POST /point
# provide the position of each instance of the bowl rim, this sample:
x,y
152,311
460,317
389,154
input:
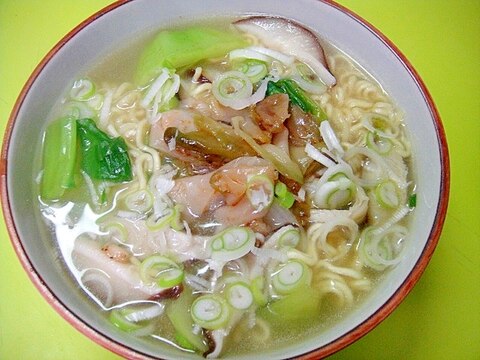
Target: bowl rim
x,y
328,349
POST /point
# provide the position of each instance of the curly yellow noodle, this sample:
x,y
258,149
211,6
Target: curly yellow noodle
x,y
354,96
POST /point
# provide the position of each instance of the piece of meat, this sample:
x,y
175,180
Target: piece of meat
x,y
271,112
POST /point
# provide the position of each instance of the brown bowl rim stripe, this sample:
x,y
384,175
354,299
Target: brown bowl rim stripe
x,y
326,350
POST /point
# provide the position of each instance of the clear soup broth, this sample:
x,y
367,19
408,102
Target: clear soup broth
x,y
227,186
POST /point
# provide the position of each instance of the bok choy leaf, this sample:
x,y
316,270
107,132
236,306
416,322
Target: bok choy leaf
x,y
103,157
176,49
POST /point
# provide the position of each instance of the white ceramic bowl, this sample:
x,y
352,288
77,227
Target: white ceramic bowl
x,y
118,23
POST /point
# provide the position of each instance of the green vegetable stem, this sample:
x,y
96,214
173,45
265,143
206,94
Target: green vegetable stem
x,y
59,153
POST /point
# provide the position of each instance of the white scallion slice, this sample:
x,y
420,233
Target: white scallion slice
x,y
168,217
210,312
308,80
286,236
140,201
254,69
379,144
158,222
290,238
386,194
379,250
232,85
234,89
162,271
116,230
232,243
82,90
248,53
260,192
96,102
378,124
176,222
135,318
155,87
335,194
316,155
277,55
137,314
239,295
330,138
77,110
290,276
258,291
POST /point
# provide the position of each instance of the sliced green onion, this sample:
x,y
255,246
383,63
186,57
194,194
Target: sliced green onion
x,y
286,236
308,80
156,222
274,54
169,217
335,194
96,102
178,312
162,90
248,53
140,201
260,192
135,317
381,250
330,138
254,69
232,243
290,276
239,295
290,237
338,175
379,144
210,312
378,124
115,229
231,87
59,158
162,271
371,251
82,90
78,110
258,291
412,201
175,222
285,198
117,318
386,194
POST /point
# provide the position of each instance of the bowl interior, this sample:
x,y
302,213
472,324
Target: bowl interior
x,y
132,19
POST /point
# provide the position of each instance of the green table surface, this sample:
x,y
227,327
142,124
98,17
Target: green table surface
x,y
440,319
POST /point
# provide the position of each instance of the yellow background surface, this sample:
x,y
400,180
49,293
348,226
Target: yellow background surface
x,y
440,319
